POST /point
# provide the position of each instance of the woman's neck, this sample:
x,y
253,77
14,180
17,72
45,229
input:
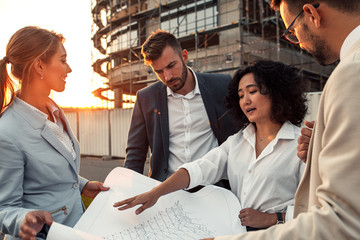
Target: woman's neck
x,y
35,99
265,133
267,130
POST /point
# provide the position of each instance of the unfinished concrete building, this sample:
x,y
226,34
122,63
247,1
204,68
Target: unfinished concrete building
x,y
220,36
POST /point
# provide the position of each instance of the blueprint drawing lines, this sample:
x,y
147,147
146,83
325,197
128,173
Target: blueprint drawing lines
x,y
171,223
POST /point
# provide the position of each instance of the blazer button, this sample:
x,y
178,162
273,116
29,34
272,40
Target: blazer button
x,y
75,186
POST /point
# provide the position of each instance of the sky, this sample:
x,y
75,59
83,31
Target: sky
x,y
72,18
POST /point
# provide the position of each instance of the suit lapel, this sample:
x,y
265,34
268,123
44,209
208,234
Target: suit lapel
x,y
206,94
163,114
38,123
54,141
352,49
72,137
302,192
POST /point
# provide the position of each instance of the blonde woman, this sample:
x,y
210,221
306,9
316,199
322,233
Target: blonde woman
x,y
39,155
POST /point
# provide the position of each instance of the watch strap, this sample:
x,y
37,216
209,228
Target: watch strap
x,y
280,219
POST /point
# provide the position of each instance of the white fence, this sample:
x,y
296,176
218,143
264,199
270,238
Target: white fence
x,y
104,132
101,132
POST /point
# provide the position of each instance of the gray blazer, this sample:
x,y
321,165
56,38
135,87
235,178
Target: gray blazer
x,y
37,172
150,122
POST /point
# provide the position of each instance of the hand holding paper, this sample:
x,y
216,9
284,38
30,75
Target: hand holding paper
x,y
93,188
33,223
180,215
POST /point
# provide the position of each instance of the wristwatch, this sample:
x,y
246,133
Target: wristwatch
x,y
280,219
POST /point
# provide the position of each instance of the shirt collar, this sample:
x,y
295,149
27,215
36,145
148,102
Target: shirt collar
x,y
286,131
192,93
53,108
50,105
32,108
350,40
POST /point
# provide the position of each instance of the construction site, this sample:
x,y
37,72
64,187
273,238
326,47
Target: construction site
x,y
220,36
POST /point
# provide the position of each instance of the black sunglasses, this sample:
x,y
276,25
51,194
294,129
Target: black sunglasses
x,y
290,36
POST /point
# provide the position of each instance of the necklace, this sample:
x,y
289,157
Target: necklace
x,y
269,137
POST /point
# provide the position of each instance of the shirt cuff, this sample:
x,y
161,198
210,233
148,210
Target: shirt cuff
x,y
289,213
195,174
83,182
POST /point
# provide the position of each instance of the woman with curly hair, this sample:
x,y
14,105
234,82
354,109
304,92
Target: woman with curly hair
x,y
260,160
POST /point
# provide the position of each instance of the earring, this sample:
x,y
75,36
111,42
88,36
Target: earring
x,y
41,77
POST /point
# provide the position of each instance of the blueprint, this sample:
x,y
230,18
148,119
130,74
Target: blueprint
x,y
209,212
61,232
171,223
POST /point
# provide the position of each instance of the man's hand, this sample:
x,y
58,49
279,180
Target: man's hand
x,y
33,223
304,139
256,219
92,189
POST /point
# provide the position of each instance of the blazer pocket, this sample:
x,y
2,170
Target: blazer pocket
x,y
62,210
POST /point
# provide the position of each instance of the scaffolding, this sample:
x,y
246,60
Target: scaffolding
x,y
220,36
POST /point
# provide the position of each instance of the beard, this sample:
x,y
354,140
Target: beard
x,y
321,52
182,79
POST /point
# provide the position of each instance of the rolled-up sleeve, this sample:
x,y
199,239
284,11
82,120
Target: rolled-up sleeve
x,y
211,168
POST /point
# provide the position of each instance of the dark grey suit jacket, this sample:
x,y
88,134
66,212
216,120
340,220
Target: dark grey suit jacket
x,y
150,122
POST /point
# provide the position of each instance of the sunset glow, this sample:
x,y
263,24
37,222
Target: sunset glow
x,y
73,20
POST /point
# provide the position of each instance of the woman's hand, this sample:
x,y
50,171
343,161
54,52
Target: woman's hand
x,y
92,189
33,223
256,219
179,180
147,200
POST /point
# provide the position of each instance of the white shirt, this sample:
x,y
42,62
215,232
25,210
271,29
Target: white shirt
x,y
266,183
57,127
350,40
190,133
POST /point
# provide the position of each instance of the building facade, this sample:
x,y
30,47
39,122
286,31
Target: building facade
x,y
220,36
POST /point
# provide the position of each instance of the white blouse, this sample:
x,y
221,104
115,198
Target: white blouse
x,y
266,183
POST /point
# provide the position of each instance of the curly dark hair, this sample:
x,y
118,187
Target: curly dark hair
x,y
283,85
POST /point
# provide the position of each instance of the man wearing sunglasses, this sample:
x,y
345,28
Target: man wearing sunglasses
x,y
327,201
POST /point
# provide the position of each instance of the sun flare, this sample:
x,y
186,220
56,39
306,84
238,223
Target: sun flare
x,y
73,20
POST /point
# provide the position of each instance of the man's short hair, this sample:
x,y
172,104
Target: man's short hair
x,y
156,43
346,6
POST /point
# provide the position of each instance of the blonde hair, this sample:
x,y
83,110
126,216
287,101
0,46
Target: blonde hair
x,y
24,48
